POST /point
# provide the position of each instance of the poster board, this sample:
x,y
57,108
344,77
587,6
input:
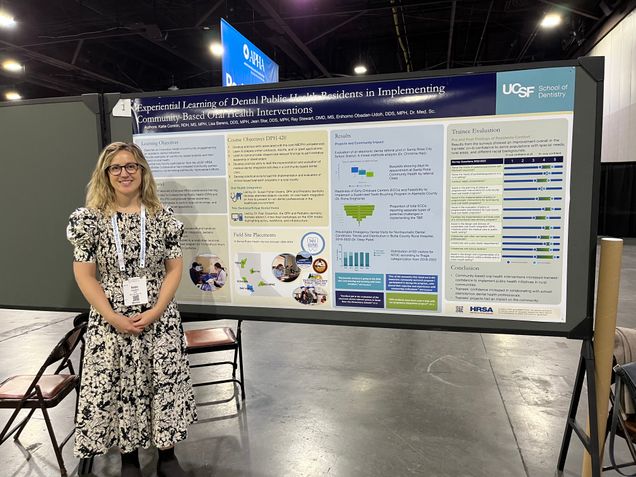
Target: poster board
x,y
457,200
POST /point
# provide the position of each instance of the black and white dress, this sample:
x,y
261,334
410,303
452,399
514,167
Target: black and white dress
x,y
136,391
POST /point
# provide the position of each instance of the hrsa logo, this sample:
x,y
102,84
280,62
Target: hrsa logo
x,y
481,309
516,88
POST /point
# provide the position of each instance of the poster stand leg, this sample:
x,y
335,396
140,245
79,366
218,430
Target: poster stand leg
x,y
591,442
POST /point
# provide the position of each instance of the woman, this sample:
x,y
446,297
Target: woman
x,y
220,275
136,389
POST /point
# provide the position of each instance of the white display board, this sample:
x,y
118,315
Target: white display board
x,y
444,199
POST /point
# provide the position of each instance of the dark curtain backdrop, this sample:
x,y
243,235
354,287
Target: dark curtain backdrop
x,y
617,206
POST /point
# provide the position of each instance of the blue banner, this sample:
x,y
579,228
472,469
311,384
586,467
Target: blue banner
x,y
453,96
243,63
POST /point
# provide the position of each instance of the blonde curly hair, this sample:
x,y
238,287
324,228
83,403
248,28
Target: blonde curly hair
x,y
100,194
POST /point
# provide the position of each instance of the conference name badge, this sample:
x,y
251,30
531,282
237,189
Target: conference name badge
x,y
135,291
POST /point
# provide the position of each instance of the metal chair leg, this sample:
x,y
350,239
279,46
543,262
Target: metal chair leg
x,y
5,434
240,351
56,448
23,424
234,364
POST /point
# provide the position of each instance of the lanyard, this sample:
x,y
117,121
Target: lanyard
x,y
142,241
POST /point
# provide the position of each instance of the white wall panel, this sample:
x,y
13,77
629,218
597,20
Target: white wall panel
x,y
619,110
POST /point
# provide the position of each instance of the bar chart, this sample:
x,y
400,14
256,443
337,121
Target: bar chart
x,y
532,213
357,260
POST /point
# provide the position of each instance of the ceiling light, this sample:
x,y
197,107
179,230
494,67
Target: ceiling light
x,y
12,66
12,96
551,20
360,69
6,20
216,48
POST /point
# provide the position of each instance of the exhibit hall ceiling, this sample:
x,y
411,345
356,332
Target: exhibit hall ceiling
x,y
70,47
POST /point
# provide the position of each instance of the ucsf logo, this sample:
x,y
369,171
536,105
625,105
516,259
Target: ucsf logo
x,y
521,91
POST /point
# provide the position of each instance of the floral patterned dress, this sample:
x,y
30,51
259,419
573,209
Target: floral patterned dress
x,y
136,391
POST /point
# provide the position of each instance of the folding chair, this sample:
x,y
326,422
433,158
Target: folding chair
x,y
208,340
620,424
43,391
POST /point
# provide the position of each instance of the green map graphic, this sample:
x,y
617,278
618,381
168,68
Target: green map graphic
x,y
359,211
251,281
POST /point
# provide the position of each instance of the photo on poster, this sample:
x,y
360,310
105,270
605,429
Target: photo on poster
x,y
207,273
310,295
285,268
304,259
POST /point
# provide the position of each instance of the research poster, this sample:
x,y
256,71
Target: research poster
x,y
444,196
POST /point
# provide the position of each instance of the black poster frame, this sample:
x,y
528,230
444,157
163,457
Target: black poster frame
x,y
583,219
584,208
